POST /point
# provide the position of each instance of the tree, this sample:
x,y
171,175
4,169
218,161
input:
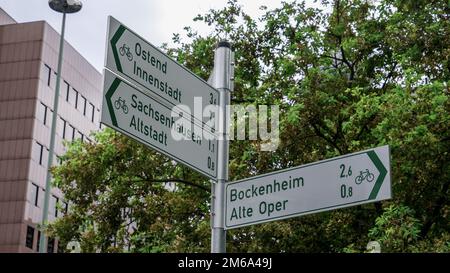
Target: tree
x,y
348,76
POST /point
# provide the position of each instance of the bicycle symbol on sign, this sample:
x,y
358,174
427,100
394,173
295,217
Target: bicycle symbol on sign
x,y
366,175
120,104
125,50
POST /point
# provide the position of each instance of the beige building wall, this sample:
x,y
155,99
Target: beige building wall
x,y
28,63
5,18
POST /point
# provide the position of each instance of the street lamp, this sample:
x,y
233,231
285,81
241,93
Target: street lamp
x,y
63,6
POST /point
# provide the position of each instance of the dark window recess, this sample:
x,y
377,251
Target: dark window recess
x,y
41,153
63,124
71,133
38,241
93,112
45,115
56,200
67,87
84,102
51,245
30,237
48,74
60,248
44,109
36,194
64,129
76,98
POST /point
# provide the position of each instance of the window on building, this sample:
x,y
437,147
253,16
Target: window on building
x,y
38,240
60,248
34,194
80,135
71,133
62,127
47,74
67,90
54,205
76,98
41,154
73,94
88,110
38,153
63,208
41,112
80,103
45,153
45,114
41,197
51,245
30,237
92,112
83,105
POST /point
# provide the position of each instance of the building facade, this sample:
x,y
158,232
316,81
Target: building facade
x,y
28,63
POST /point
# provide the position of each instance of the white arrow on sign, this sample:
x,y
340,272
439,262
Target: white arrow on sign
x,y
344,181
137,60
139,116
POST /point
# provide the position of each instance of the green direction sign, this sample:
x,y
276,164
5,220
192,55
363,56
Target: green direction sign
x,y
344,181
138,61
138,115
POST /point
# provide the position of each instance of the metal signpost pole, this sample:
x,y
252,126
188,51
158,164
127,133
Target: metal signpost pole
x,y
64,7
222,81
52,139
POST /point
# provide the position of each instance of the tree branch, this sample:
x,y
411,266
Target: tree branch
x,y
351,66
365,126
340,134
327,139
389,75
331,57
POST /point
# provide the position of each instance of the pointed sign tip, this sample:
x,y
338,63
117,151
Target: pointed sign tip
x,y
381,169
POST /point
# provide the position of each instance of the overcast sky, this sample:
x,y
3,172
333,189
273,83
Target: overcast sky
x,y
155,20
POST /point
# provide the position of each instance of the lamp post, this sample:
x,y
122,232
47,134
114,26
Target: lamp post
x,y
64,7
